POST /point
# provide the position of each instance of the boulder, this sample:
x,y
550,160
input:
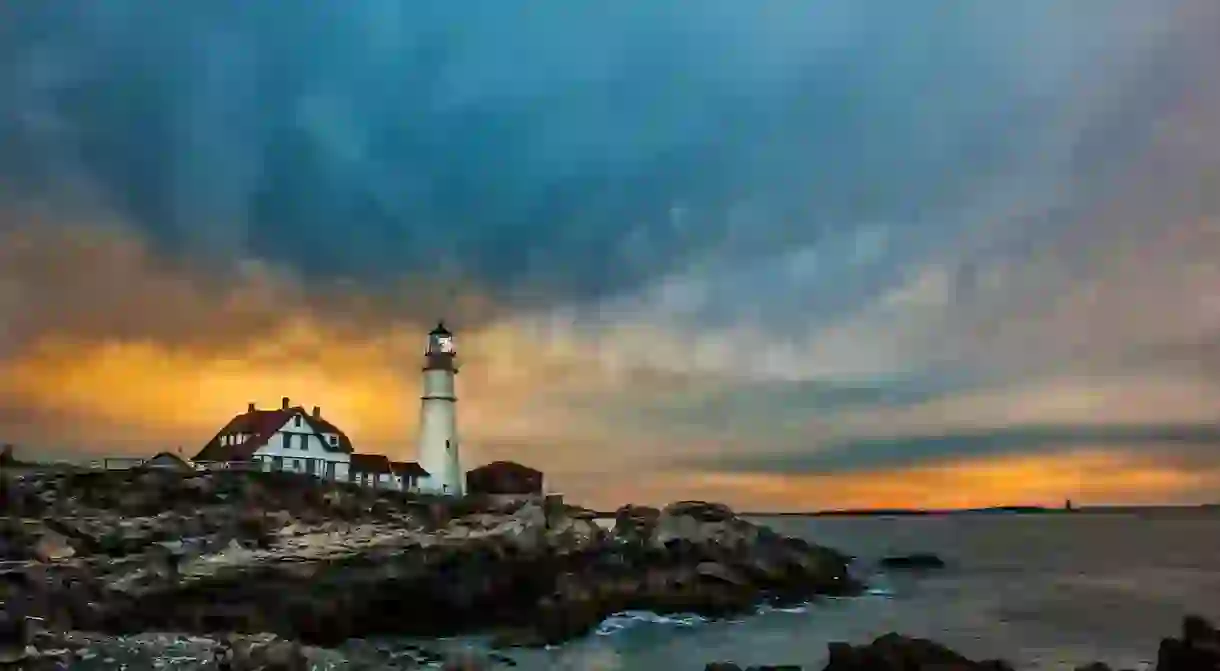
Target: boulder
x,y
1198,648
894,652
274,655
635,524
52,547
15,637
916,561
700,510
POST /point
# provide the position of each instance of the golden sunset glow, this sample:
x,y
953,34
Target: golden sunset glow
x,y
1012,480
530,389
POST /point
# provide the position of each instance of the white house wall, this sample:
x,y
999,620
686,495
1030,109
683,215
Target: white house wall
x,y
304,445
377,480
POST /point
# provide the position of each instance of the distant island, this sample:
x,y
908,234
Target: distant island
x,y
895,512
1014,510
902,512
994,510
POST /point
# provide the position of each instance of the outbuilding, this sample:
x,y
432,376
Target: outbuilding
x,y
167,461
501,478
372,470
407,475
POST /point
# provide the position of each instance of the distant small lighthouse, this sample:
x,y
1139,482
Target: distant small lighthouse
x,y
438,439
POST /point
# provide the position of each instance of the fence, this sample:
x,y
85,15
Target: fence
x,y
116,463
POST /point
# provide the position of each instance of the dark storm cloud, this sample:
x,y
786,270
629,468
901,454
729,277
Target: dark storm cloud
x,y
768,406
1186,442
571,153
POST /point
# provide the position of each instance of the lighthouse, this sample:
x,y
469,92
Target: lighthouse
x,y
438,439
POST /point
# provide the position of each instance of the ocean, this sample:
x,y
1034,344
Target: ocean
x,y
1049,591
1042,591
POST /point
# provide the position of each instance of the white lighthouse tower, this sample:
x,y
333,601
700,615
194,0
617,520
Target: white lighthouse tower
x,y
438,439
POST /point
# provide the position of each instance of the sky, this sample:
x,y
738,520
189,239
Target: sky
x,y
787,255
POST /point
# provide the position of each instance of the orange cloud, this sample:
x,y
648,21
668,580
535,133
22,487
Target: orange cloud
x,y
126,351
110,348
160,392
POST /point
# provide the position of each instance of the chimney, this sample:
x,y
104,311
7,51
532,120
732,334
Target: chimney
x,y
250,407
285,403
317,412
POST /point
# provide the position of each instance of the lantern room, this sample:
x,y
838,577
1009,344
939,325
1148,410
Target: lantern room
x,y
440,350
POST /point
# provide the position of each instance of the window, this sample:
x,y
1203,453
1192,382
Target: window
x,y
296,464
296,421
334,440
277,463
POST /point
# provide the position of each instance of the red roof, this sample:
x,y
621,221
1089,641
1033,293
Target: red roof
x,y
369,463
504,477
260,426
506,467
409,469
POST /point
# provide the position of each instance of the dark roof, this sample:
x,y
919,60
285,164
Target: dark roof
x,y
440,330
370,463
506,467
261,425
164,459
408,469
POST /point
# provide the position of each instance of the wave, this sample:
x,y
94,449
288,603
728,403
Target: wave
x,y
632,618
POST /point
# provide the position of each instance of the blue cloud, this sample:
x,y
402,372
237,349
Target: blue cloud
x,y
543,154
865,454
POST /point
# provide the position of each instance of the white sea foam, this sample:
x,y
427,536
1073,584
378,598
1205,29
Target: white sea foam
x,y
628,619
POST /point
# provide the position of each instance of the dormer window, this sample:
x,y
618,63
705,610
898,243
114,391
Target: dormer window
x,y
334,441
296,421
224,440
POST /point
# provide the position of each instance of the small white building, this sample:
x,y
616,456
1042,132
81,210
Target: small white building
x,y
372,470
376,470
288,439
408,475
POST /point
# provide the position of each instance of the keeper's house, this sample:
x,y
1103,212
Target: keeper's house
x,y
286,439
291,440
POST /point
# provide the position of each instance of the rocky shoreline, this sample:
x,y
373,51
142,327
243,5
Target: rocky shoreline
x,y
274,571
127,552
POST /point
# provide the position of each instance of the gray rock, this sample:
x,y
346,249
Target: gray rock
x,y
52,546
